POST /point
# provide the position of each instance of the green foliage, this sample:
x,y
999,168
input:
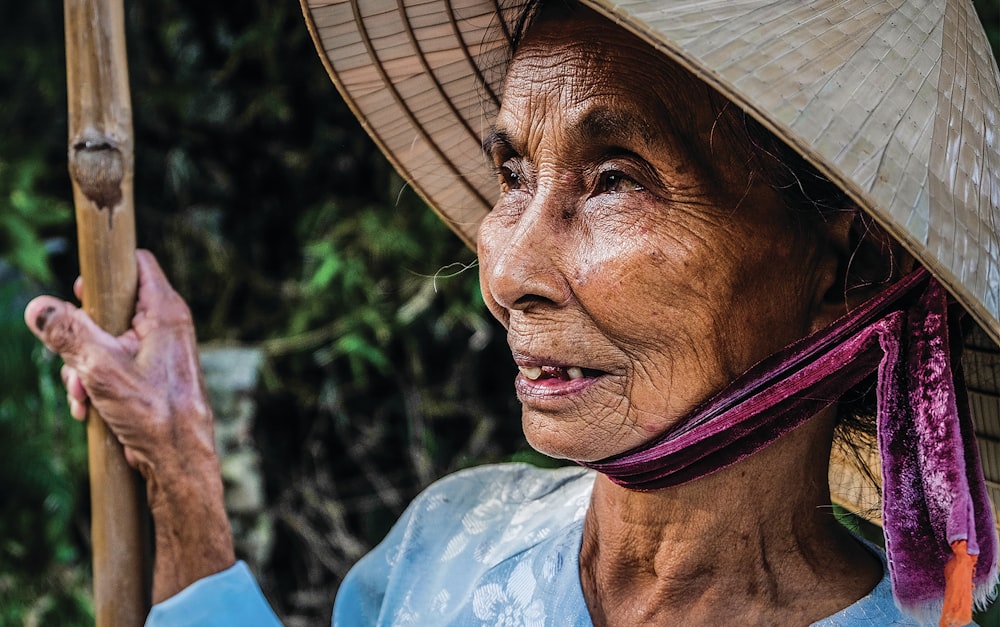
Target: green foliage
x,y
283,227
34,187
25,214
42,573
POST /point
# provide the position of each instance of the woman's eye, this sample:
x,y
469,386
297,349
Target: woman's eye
x,y
614,182
509,179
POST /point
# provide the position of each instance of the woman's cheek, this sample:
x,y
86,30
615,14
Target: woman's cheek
x,y
662,389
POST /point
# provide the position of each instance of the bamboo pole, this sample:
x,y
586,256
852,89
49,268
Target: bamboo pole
x,y
101,168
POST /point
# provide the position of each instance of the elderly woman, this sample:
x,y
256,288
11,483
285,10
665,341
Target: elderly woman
x,y
683,254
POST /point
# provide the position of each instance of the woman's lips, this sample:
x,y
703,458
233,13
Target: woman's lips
x,y
549,381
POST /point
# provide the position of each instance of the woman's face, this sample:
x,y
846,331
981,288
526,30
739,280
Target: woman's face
x,y
630,290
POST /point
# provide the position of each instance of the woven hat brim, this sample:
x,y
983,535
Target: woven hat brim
x,y
423,78
896,102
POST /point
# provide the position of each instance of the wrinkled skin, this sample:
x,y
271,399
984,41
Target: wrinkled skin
x,y
609,255
607,252
147,385
631,289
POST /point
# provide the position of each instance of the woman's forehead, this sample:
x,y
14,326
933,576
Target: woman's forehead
x,y
597,82
600,79
588,53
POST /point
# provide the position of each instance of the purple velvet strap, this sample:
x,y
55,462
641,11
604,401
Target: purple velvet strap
x,y
934,492
768,400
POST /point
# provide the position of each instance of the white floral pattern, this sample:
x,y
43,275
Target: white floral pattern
x,y
485,547
498,546
512,537
513,606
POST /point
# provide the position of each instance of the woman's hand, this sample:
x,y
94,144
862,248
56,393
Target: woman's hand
x,y
146,383
148,387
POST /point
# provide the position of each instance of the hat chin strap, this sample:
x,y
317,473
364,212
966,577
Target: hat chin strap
x,y
936,512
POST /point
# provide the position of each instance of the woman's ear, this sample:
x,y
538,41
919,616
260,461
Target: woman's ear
x,y
835,251
861,259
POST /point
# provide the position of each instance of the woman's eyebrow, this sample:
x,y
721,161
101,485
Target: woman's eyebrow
x,y
496,140
598,126
613,126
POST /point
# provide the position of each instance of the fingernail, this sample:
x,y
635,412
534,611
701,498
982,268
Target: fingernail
x,y
44,317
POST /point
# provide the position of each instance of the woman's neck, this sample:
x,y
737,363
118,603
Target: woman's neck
x,y
755,543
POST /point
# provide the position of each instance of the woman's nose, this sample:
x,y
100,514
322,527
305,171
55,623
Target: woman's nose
x,y
526,262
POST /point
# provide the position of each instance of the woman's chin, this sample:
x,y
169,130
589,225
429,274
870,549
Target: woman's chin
x,y
569,441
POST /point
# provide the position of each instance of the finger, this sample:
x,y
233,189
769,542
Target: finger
x,y
78,288
129,342
158,302
67,330
77,408
76,396
153,283
74,386
71,381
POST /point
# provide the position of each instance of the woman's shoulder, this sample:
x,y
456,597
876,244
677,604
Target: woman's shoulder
x,y
479,542
512,504
509,485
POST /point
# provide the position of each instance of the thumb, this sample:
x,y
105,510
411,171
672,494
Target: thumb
x,y
67,330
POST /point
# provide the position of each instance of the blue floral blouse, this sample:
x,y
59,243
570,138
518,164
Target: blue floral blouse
x,y
489,546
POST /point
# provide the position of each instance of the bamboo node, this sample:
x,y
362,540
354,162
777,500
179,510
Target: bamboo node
x,y
97,166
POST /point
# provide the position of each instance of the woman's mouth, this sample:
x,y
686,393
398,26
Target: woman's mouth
x,y
535,384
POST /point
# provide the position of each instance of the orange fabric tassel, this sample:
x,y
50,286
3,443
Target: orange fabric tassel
x,y
957,609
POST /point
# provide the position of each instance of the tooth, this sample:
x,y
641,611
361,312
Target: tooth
x,y
575,372
532,372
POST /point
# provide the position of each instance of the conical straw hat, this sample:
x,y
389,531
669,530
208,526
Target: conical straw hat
x,y
898,102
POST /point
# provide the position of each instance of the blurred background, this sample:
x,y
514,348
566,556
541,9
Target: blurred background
x,y
350,358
